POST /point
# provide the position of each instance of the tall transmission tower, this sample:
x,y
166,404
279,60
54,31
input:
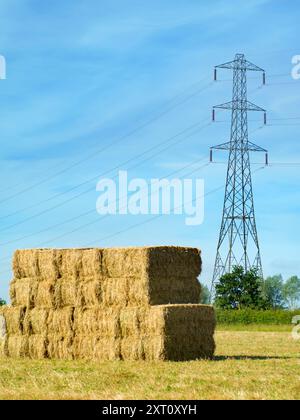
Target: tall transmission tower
x,y
238,241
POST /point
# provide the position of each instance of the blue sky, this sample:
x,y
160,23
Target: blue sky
x,y
81,76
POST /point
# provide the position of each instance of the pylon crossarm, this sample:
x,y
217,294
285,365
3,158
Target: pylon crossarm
x,y
254,148
249,146
240,64
223,146
252,67
241,105
253,107
229,65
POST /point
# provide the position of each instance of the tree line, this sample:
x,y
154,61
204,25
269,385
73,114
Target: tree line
x,y
245,289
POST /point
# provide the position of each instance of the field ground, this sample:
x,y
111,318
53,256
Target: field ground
x,y
248,365
255,327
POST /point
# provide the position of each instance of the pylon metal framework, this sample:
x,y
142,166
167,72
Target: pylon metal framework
x,y
238,241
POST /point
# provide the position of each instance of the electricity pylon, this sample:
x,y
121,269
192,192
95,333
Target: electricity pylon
x,y
238,241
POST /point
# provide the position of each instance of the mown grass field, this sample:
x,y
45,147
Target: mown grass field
x,y
249,364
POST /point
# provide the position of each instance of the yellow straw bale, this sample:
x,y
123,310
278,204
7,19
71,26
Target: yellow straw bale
x,y
60,346
128,262
14,318
25,264
44,297
105,322
22,292
91,263
60,321
49,263
154,348
89,292
115,291
93,347
71,263
17,346
35,321
66,292
37,346
133,348
133,321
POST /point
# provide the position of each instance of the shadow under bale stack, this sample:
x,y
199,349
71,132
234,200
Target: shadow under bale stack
x,y
107,304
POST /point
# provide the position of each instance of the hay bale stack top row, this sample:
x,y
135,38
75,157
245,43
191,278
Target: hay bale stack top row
x,y
107,304
123,276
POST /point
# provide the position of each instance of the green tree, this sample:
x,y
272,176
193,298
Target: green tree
x,y
273,292
205,295
239,290
291,292
2,302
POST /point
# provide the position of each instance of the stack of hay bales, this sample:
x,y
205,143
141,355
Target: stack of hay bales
x,y
107,304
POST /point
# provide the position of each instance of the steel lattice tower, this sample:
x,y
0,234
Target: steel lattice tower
x,y
238,241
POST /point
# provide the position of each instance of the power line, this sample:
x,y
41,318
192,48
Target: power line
x,y
105,173
101,174
113,143
144,222
158,216
93,211
105,216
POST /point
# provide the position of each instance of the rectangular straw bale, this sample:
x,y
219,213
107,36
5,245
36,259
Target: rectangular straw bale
x,y
187,330
45,294
25,263
37,346
150,348
60,321
133,321
89,292
14,318
91,263
49,264
66,292
60,346
192,348
139,291
124,262
114,291
71,266
154,347
107,349
111,291
93,347
17,346
174,290
171,261
171,319
22,292
105,322
35,321
133,348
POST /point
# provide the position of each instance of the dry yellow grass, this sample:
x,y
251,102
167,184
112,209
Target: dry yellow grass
x,y
248,365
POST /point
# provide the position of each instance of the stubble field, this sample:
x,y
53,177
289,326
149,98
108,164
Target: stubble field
x,y
249,364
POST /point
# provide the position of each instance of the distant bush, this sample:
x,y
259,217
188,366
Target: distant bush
x,y
252,316
2,302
